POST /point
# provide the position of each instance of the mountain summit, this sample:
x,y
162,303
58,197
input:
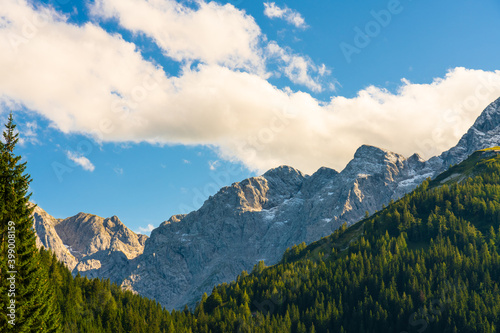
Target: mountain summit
x,y
484,133
258,218
89,244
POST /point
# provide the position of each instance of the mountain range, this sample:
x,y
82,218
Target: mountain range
x,y
252,220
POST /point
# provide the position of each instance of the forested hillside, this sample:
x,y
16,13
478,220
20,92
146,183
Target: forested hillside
x,y
427,263
93,305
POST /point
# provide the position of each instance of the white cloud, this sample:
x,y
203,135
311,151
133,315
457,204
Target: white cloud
x,y
87,81
186,161
80,160
212,33
146,230
322,70
28,133
298,69
293,17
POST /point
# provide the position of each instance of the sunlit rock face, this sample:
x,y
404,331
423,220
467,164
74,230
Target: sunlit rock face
x,y
255,219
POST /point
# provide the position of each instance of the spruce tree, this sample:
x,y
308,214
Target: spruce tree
x,y
35,305
3,250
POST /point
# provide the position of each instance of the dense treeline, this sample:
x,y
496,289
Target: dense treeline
x,y
94,305
27,301
429,262
39,294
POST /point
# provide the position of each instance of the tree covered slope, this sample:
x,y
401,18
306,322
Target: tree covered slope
x,y
427,263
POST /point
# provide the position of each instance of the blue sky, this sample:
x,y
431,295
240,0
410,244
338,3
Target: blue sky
x,y
142,109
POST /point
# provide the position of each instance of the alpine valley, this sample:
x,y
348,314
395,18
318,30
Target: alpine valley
x,y
254,220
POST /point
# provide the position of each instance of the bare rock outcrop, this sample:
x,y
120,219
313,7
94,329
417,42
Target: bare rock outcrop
x,y
255,219
89,244
258,218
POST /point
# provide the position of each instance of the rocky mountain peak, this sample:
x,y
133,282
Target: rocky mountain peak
x,y
284,173
89,244
415,158
44,226
256,193
370,160
325,172
376,155
483,134
258,218
318,180
489,118
87,234
174,219
369,152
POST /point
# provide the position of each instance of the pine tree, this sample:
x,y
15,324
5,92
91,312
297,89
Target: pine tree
x,y
35,307
3,251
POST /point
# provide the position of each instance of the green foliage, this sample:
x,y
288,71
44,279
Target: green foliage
x,y
428,262
35,308
93,305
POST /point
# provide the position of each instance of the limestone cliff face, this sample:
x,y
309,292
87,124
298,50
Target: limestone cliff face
x,y
258,218
89,244
44,226
255,219
484,133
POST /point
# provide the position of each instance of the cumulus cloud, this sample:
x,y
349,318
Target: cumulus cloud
x,y
86,80
298,69
212,33
291,16
146,230
80,160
